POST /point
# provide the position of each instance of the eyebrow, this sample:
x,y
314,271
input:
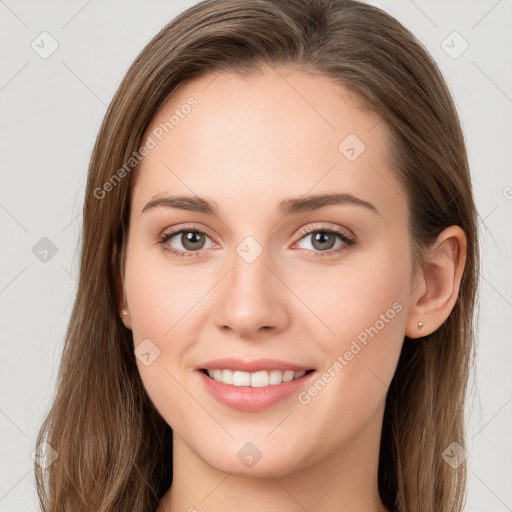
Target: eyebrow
x,y
289,206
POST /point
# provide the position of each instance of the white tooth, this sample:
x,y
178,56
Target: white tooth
x,y
241,379
288,376
227,376
276,377
259,379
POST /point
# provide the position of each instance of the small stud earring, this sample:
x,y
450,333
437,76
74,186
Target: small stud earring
x,y
124,312
420,325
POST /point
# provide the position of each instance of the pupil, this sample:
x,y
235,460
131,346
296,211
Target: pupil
x,y
191,238
321,238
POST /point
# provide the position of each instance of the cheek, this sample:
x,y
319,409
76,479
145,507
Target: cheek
x,y
164,300
363,303
365,307
168,303
162,296
356,294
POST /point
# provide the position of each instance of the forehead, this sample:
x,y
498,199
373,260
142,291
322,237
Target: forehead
x,y
248,142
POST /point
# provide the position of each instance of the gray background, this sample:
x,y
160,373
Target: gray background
x,y
51,109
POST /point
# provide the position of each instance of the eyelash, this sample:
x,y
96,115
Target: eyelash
x,y
316,254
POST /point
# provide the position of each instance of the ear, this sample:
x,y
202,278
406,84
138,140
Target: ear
x,y
437,287
124,311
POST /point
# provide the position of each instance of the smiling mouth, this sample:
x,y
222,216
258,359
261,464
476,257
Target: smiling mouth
x,y
258,379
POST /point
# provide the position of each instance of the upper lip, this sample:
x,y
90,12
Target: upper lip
x,y
256,365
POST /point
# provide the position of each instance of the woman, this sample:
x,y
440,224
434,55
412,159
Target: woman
x,y
278,274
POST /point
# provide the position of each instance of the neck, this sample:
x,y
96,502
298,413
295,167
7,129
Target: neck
x,y
345,479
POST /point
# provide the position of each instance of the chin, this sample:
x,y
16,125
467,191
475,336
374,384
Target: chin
x,y
254,460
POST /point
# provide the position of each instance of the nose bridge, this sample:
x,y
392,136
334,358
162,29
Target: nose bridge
x,y
252,296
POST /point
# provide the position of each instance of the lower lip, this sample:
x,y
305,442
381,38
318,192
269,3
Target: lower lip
x,y
247,398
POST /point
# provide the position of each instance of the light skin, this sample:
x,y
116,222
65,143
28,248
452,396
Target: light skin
x,y
249,144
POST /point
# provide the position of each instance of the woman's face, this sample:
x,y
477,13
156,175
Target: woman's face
x,y
268,276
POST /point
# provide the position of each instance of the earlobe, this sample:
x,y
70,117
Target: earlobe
x,y
125,317
438,289
120,291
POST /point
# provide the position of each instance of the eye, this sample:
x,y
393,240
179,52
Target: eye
x,y
323,240
188,240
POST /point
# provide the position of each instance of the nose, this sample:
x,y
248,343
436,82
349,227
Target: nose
x,y
252,299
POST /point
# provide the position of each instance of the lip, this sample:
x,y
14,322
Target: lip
x,y
247,398
233,363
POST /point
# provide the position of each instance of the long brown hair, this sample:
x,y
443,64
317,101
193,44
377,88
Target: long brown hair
x,y
114,449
